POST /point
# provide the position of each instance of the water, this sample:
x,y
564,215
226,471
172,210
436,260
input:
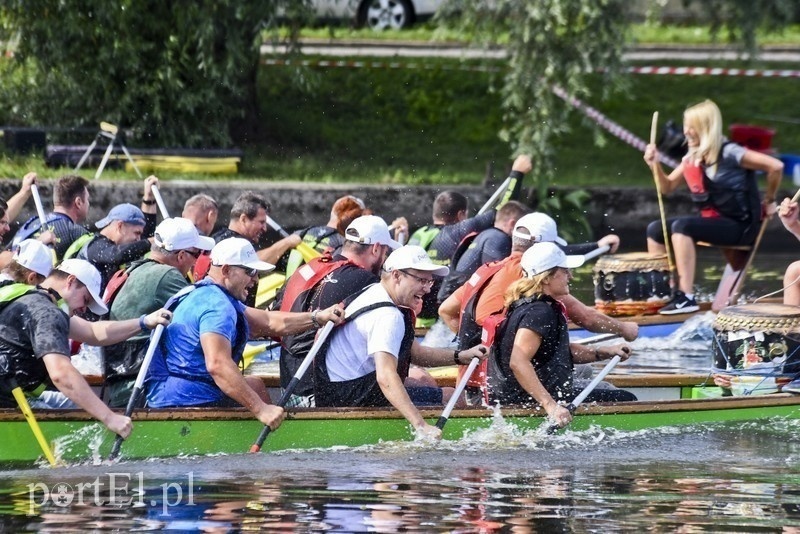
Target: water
x,y
731,477
740,478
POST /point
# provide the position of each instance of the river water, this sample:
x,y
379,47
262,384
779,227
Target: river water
x,y
728,477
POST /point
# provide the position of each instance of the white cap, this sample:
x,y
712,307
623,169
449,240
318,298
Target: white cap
x,y
537,227
34,255
370,230
544,256
89,276
413,257
178,233
238,251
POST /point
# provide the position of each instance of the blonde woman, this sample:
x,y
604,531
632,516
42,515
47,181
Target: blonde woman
x,y
534,359
724,190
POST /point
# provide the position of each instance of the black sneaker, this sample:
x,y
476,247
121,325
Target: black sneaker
x,y
680,303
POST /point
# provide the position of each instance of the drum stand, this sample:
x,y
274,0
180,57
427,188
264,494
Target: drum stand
x,y
107,132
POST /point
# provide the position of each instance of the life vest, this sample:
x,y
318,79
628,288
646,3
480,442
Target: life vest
x,y
425,236
456,279
78,247
33,226
197,371
319,243
736,198
33,387
118,280
364,390
495,327
298,293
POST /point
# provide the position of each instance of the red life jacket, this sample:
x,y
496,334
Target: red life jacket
x,y
469,333
695,177
306,278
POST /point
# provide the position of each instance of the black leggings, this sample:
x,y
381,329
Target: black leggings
x,y
719,231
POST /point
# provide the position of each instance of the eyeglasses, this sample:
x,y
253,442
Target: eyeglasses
x,y
193,253
249,271
426,282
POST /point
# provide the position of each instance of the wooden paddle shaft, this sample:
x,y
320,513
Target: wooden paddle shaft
x,y
160,201
654,168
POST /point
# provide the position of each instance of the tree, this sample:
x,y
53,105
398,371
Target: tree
x,y
176,73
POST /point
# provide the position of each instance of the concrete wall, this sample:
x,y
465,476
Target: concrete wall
x,y
624,211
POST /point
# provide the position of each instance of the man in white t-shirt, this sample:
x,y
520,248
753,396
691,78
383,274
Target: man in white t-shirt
x,y
368,357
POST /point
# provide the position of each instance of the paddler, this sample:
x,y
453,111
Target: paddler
x,y
723,187
35,331
365,362
197,361
534,359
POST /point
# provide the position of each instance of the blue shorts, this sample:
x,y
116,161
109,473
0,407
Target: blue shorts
x,y
425,396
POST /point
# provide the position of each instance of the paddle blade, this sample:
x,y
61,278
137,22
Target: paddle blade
x,y
307,252
25,408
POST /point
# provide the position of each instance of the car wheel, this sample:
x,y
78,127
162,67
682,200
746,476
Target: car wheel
x,y
386,14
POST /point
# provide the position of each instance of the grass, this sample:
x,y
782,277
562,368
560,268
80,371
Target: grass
x,y
438,124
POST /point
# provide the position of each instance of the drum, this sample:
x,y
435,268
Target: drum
x,y
758,338
636,283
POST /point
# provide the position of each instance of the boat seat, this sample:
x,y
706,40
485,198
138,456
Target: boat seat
x,y
744,248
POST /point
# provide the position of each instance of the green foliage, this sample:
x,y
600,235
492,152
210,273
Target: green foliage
x,y
567,208
411,125
176,73
550,43
741,20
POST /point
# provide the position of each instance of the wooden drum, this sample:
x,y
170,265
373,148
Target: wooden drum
x,y
758,336
635,283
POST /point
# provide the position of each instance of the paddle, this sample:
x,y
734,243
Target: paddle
x,y
37,200
739,283
654,169
287,393
457,393
594,339
25,408
572,406
596,252
160,201
304,249
492,199
138,386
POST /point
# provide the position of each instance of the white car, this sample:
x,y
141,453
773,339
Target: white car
x,y
377,14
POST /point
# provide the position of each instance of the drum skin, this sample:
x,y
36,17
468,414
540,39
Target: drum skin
x,y
755,337
635,283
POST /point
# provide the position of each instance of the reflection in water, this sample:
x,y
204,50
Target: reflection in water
x,y
739,477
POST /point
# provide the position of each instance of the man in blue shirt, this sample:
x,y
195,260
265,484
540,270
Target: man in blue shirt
x,y
197,362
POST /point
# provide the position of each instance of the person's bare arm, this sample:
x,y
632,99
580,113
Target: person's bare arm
x,y
395,392
450,312
437,357
71,383
265,323
17,202
274,252
594,321
221,367
667,182
102,333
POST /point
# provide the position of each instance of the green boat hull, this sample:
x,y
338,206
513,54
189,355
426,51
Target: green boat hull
x,y
77,438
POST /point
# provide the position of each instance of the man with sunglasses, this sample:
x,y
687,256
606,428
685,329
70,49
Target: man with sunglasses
x,y
326,281
197,361
146,285
368,358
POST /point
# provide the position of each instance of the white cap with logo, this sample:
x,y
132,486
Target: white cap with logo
x,y
89,276
34,255
238,251
538,227
178,233
413,257
542,257
370,230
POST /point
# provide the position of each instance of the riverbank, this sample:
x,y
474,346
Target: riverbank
x,y
625,211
